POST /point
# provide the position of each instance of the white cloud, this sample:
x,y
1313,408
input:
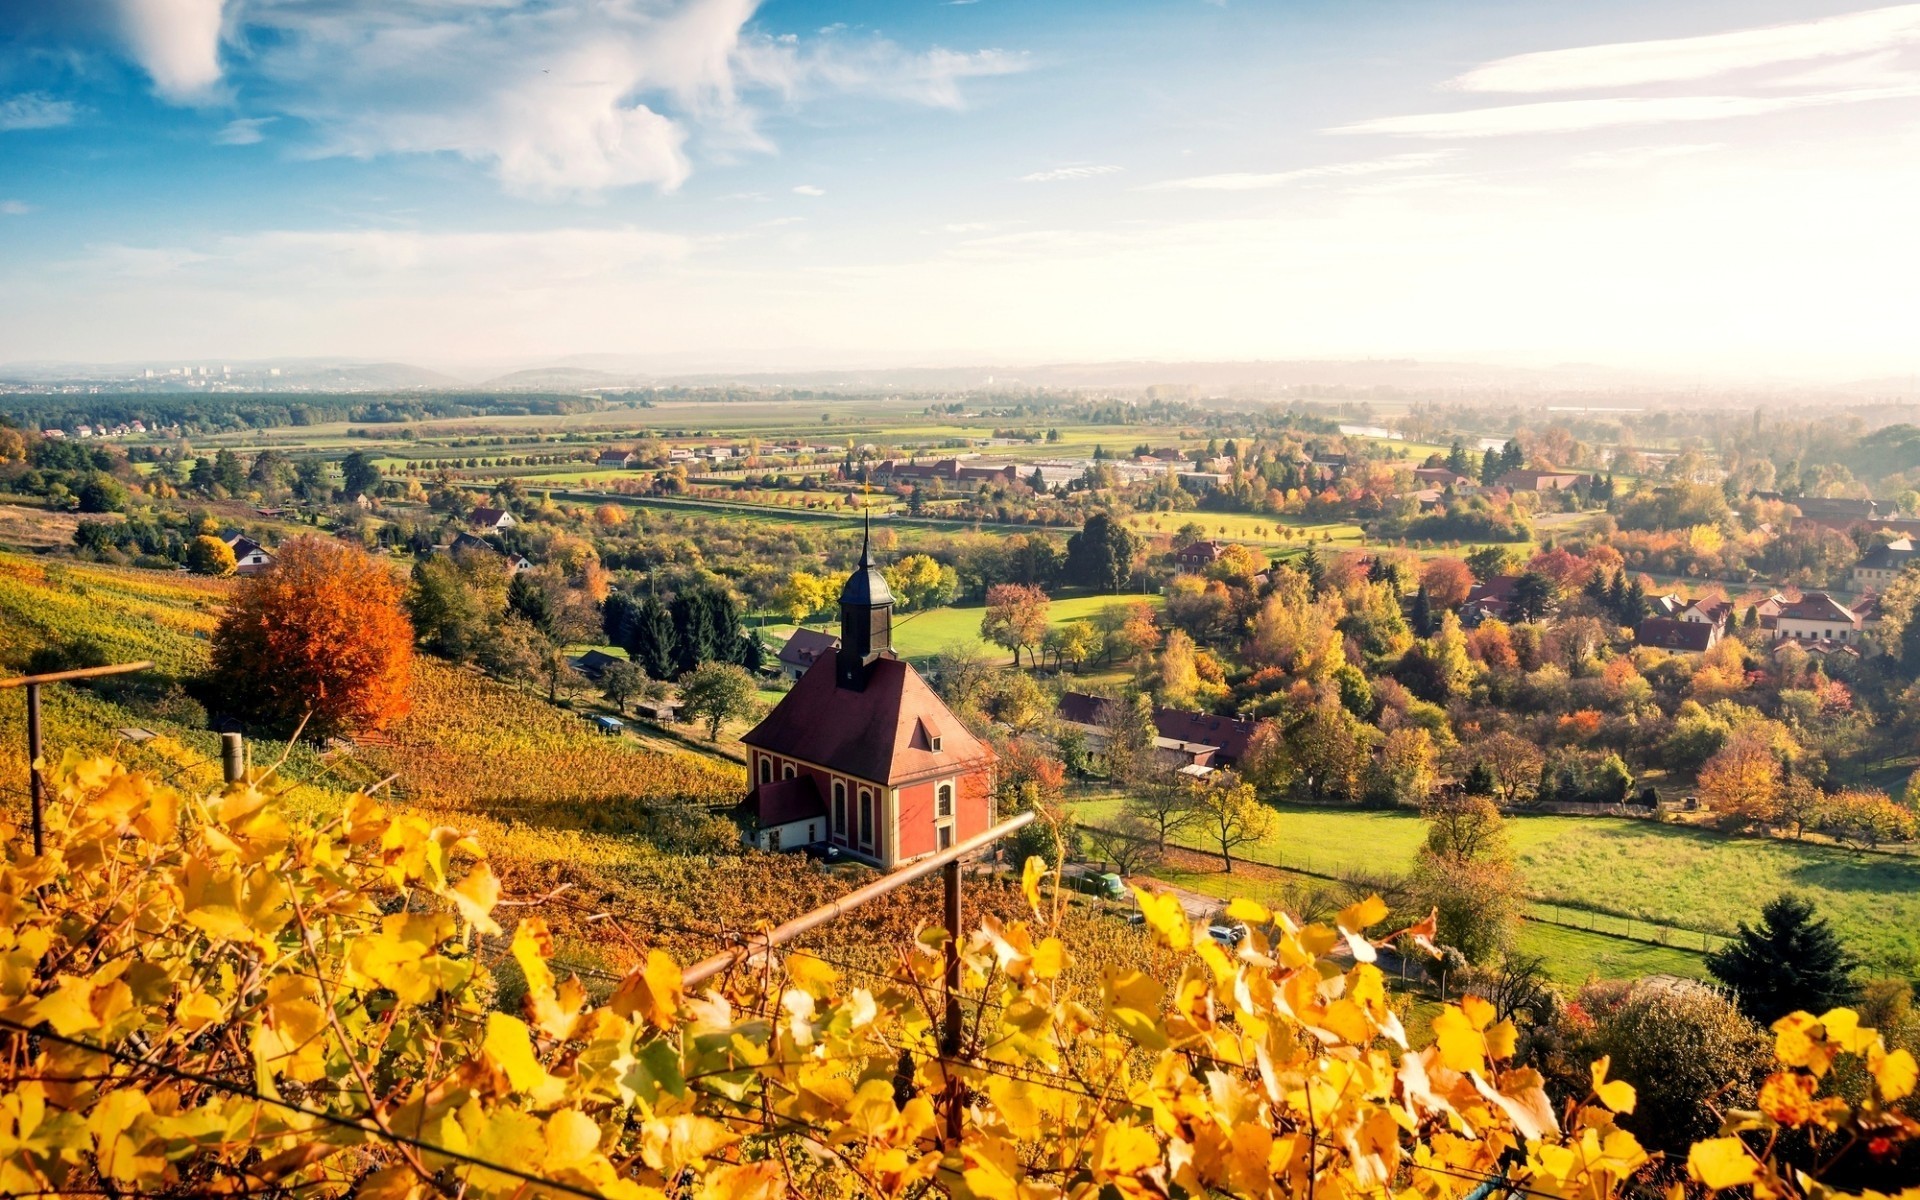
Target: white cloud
x,y
807,189
177,42
36,110
570,97
1626,64
1245,181
1572,116
244,131
14,208
1083,171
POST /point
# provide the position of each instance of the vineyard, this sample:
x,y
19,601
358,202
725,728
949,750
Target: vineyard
x,y
207,995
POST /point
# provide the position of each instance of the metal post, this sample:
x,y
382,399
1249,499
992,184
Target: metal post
x,y
950,1032
233,757
36,782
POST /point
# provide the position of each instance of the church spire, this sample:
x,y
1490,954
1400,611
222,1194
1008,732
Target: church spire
x,y
866,616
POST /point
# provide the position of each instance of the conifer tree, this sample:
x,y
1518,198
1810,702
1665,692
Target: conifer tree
x,y
1791,961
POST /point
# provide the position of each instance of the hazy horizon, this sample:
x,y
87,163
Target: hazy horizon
x,y
1702,190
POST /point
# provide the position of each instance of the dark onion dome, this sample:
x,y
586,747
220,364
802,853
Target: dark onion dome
x,y
866,587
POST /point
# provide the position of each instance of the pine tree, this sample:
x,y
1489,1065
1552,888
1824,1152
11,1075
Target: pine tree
x,y
655,645
1489,467
1310,566
1458,461
1480,780
1422,616
1790,962
1512,458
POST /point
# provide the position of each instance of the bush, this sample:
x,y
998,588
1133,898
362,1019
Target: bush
x,y
1687,1050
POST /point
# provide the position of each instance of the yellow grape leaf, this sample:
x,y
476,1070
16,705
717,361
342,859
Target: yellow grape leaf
x,y
475,897
1478,1011
1166,918
1896,1073
1122,1150
509,1044
653,990
1722,1163
1617,1094
1355,918
1461,1046
1030,877
69,1009
743,1181
1501,1040
572,1137
1133,1001
811,974
532,947
670,1145
198,1010
1250,912
1049,958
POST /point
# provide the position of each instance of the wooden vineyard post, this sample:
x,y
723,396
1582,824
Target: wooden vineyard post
x,y
36,776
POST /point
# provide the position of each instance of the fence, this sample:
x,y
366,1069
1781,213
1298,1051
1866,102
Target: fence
x,y
1548,910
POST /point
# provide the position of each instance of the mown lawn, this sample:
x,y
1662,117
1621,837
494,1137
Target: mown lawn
x,y
1662,875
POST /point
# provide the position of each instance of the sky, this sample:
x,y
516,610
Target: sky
x,y
1721,187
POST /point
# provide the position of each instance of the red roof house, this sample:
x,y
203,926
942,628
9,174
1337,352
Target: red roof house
x,y
899,776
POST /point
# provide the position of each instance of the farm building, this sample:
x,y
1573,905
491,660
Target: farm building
x,y
862,754
803,648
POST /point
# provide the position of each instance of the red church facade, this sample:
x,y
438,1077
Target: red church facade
x,y
862,755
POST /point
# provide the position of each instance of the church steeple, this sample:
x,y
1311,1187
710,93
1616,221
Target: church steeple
x,y
866,618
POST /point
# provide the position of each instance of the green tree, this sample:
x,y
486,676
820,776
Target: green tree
x,y
1101,555
716,693
448,617
359,472
1790,961
621,682
102,493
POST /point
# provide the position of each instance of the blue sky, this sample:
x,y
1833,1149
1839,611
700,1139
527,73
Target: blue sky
x,y
1722,188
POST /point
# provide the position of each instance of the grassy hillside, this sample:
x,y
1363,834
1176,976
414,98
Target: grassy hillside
x,y
1655,874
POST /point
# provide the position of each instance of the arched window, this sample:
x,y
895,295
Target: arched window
x,y
839,829
766,769
943,800
866,818
786,771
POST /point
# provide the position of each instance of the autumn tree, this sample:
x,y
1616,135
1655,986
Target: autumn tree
x,y
1513,761
1230,815
920,581
1175,677
1331,747
322,637
1016,617
208,555
1743,782
1127,729
1447,580
1465,873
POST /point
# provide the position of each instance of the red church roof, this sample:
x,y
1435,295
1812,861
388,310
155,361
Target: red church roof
x,y
882,733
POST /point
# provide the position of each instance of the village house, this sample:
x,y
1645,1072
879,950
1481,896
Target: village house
x,y
803,648
249,556
1678,634
495,520
1879,566
1819,619
593,664
1490,598
614,459
1440,477
1198,556
1194,743
862,755
466,543
1542,481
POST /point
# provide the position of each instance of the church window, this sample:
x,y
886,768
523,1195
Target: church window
x,y
866,818
766,769
840,810
943,800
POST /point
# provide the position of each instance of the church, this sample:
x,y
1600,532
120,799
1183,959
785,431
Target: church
x,y
862,755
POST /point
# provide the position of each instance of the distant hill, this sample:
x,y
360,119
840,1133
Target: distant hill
x,y
559,379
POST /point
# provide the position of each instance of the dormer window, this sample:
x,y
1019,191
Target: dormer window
x,y
933,742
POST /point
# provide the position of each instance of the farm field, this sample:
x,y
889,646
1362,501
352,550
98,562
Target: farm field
x,y
1251,528
1662,875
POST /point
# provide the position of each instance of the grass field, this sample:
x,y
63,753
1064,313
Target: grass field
x,y
1251,528
923,634
1656,875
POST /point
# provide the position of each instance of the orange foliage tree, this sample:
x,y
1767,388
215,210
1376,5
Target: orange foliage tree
x,y
322,637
